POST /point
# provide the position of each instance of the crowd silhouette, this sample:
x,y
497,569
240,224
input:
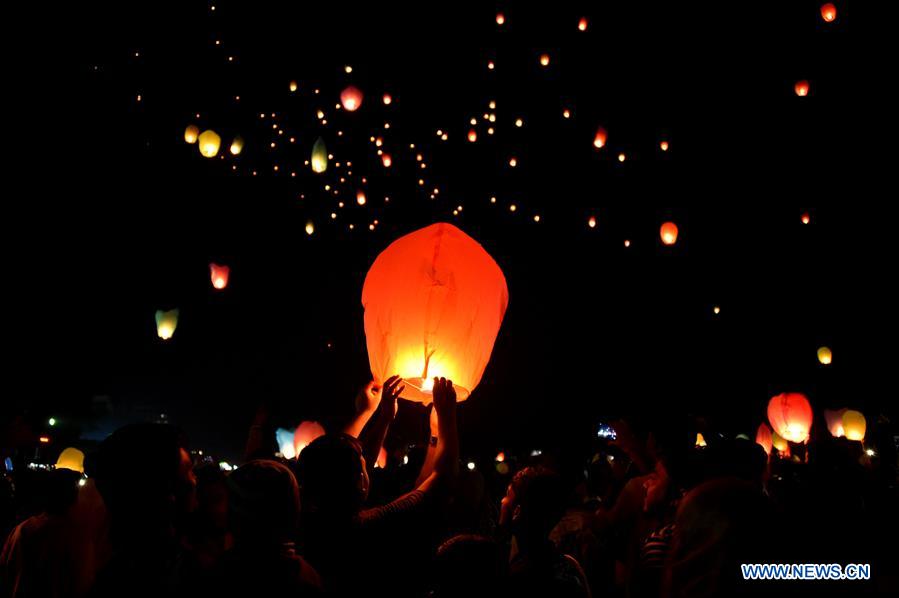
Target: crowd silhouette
x,y
647,513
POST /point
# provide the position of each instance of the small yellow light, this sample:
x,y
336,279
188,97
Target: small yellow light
x,y
519,123
310,228
591,221
544,59
293,86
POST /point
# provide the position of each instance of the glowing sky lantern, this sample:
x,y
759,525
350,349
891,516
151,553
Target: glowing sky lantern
x,y
801,88
360,197
386,160
305,433
237,145
828,12
442,320
310,228
806,218
544,60
763,437
591,221
834,419
166,322
191,133
209,143
284,438
582,24
293,86
778,442
700,441
825,355
668,233
472,135
71,458
319,156
854,425
351,98
387,99
599,140
790,415
500,18
219,275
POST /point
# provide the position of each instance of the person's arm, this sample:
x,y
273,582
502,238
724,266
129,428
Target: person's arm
x,y
427,468
366,405
255,447
372,436
446,458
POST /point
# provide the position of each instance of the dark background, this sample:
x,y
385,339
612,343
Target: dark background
x,y
111,216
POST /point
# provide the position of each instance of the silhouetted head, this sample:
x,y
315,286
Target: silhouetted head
x,y
263,503
534,503
469,565
332,475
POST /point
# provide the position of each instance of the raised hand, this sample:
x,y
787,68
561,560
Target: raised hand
x,y
390,392
444,398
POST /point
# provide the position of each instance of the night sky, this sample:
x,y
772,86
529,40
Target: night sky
x,y
110,215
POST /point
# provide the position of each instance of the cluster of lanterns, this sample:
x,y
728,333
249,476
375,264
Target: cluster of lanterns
x,y
209,142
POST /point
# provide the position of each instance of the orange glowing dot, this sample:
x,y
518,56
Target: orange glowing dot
x,y
627,242
519,123
591,221
621,157
537,218
513,207
293,86
801,88
544,60
828,12
663,146
566,113
360,197
472,135
44,439
386,160
387,99
599,140
716,310
500,18
668,233
491,65
513,162
500,457
806,218
582,24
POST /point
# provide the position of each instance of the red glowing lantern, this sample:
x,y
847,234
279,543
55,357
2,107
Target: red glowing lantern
x,y
668,233
387,99
591,221
500,18
763,437
386,160
219,276
801,88
351,98
472,135
434,301
582,24
790,415
828,12
305,433
806,218
599,140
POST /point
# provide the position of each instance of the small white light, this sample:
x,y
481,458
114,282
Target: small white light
x,y
470,465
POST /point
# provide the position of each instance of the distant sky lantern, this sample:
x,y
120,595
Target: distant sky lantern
x,y
351,98
700,441
71,458
790,415
500,18
825,355
237,145
166,322
293,86
834,419
591,221
801,88
472,135
219,276
854,425
668,233
209,143
305,433
319,156
806,218
387,99
443,320
828,12
386,160
663,145
310,228
763,437
544,59
360,197
582,24
599,140
191,133
284,439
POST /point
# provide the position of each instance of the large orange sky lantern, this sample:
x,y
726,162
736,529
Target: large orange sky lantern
x,y
763,437
790,415
434,301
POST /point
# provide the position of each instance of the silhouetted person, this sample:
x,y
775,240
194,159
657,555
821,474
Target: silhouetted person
x,y
469,566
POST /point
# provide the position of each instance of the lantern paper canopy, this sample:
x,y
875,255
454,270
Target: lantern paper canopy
x,y
293,86
305,433
237,145
219,276
434,301
778,442
351,98
828,12
319,156
71,458
668,233
191,133
790,415
700,441
854,425
834,419
763,437
166,322
801,88
825,355
284,438
209,143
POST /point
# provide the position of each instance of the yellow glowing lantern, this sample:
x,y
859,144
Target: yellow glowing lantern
x,y
544,60
763,437
305,433
668,233
801,88
442,320
191,133
828,12
209,143
166,322
782,446
700,441
599,140
834,419
319,156
71,458
237,145
790,415
351,98
293,86
310,228
854,425
219,276
825,355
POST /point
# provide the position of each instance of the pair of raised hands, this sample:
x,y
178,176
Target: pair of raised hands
x,y
373,397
